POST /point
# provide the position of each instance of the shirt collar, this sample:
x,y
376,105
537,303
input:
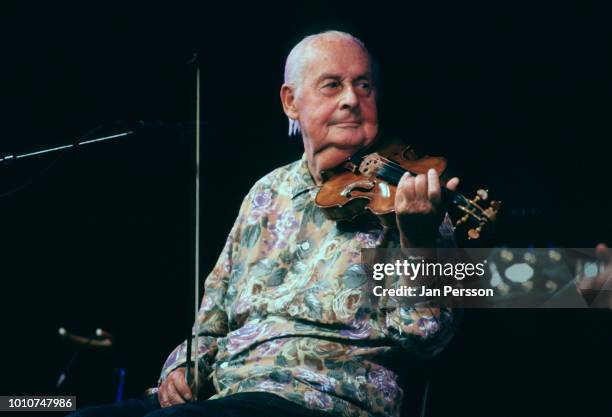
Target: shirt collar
x,y
301,180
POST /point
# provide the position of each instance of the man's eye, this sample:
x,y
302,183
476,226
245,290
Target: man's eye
x,y
364,84
332,84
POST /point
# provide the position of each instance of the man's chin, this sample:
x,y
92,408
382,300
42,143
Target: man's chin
x,y
340,147
332,157
348,138
353,139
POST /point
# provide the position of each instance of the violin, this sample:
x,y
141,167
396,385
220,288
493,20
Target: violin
x,y
367,181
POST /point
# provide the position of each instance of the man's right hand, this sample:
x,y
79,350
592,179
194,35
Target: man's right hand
x,y
599,288
174,390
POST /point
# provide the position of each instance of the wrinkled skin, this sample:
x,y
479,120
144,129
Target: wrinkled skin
x,y
335,105
174,389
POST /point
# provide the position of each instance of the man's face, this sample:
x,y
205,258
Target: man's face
x,y
336,103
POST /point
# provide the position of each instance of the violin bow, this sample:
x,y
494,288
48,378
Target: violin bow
x,y
196,368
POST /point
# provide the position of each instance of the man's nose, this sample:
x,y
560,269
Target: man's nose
x,y
349,99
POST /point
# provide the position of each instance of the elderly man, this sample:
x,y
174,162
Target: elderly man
x,y
283,324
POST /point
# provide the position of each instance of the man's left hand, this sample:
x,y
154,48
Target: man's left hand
x,y
419,208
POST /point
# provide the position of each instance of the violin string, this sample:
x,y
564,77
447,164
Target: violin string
x,y
393,166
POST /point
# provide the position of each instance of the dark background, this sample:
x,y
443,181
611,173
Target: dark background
x,y
515,94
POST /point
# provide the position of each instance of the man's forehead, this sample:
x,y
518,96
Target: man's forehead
x,y
336,58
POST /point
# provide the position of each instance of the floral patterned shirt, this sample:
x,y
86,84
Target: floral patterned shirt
x,y
284,310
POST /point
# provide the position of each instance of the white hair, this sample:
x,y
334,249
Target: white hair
x,y
297,58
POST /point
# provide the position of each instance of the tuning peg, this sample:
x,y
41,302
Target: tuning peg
x,y
474,233
491,211
482,194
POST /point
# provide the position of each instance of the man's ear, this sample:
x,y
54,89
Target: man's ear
x,y
287,96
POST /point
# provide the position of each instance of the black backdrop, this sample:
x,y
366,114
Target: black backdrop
x,y
515,94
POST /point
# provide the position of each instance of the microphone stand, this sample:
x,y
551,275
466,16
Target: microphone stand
x,y
191,377
11,157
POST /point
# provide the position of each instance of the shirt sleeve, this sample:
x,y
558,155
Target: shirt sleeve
x,y
425,328
212,317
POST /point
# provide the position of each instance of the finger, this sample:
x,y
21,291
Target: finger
x,y
162,394
173,396
452,184
420,185
405,189
433,186
182,388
